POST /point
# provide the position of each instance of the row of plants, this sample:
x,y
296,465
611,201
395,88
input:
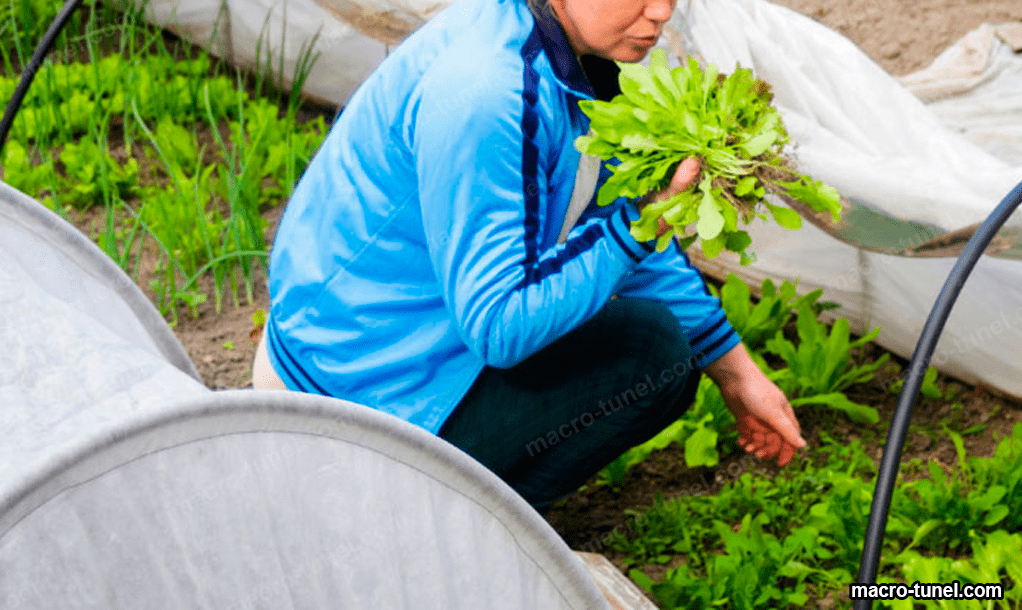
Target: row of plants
x,y
779,542
171,148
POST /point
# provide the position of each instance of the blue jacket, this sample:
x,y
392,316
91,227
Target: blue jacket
x,y
422,242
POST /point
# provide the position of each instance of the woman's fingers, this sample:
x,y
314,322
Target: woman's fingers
x,y
684,177
686,174
765,443
787,452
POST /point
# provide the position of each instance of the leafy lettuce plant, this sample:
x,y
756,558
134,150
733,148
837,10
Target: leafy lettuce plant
x,y
757,322
820,367
762,542
663,116
93,176
17,170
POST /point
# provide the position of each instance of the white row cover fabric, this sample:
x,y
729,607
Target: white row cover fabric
x,y
929,153
858,129
125,483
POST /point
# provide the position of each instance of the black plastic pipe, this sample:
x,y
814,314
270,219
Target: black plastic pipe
x,y
920,360
36,62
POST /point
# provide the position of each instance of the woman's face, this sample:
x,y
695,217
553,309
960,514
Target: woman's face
x,y
620,30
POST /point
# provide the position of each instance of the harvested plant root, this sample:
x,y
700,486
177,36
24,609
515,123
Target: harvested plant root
x,y
664,116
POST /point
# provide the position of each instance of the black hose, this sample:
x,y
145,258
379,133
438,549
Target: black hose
x,y
910,391
36,62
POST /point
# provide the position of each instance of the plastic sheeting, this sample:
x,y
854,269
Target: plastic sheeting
x,y
125,483
911,176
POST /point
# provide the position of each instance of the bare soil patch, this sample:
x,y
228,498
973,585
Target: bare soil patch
x,y
905,36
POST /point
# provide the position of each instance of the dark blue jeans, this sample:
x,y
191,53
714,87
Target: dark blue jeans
x,y
549,423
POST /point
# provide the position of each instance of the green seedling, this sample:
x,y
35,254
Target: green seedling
x,y
93,176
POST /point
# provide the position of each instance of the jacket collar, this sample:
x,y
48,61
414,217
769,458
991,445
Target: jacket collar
x,y
602,81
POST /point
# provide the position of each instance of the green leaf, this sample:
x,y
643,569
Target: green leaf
x,y
713,247
759,144
661,71
639,577
786,217
640,142
996,514
929,388
711,221
582,143
259,318
738,241
701,446
923,530
858,413
746,186
816,195
638,86
663,241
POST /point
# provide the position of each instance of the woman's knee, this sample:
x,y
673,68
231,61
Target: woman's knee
x,y
659,335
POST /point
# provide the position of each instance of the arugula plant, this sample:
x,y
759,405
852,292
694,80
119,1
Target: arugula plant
x,y
929,387
945,511
755,323
179,147
762,542
939,513
820,367
785,540
994,559
706,431
663,116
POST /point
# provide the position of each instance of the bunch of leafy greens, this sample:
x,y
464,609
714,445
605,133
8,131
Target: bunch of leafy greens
x,y
662,117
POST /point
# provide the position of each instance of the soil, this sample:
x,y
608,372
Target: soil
x,y
902,37
905,36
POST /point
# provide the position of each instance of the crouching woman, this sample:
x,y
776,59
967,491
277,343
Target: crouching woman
x,y
443,260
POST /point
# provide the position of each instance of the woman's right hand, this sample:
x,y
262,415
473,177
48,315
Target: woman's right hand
x,y
684,177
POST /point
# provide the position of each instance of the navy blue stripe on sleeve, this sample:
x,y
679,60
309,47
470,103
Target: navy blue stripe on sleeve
x,y
288,364
621,242
572,249
530,156
713,346
619,225
709,331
